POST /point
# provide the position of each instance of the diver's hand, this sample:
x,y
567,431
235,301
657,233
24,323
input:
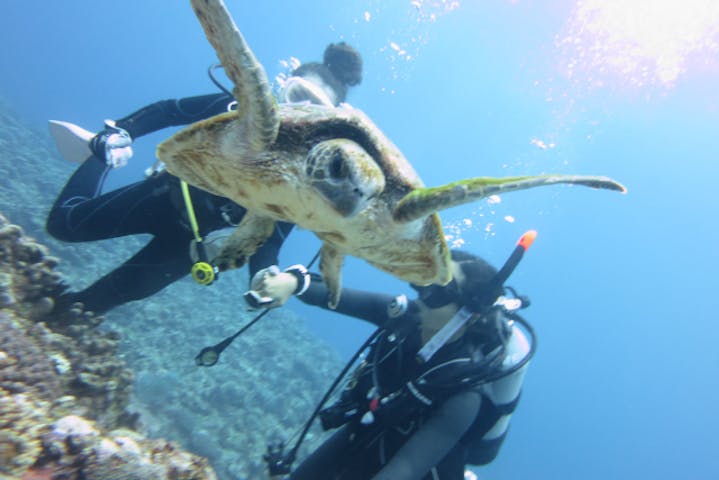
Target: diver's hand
x,y
271,288
113,144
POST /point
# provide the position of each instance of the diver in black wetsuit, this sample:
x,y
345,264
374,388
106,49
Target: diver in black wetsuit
x,y
155,205
419,407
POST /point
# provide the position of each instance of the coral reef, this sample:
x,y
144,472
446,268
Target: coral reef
x,y
54,369
64,354
22,422
33,279
74,447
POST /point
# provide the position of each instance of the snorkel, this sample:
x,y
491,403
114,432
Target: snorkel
x,y
525,241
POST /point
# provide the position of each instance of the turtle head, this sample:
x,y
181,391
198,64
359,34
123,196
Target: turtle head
x,y
345,174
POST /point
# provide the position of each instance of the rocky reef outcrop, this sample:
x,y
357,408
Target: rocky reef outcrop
x,y
64,391
54,354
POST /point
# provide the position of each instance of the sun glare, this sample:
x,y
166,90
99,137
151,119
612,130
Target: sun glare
x,y
640,42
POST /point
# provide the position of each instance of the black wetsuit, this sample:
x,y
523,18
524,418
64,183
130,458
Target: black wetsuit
x,y
152,206
405,442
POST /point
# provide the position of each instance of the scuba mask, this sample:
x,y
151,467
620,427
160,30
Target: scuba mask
x,y
298,90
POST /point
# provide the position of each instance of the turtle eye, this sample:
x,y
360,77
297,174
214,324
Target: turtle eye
x,y
338,169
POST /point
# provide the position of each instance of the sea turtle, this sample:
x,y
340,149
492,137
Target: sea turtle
x,y
328,170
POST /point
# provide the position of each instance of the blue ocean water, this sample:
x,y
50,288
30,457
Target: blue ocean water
x,y
624,383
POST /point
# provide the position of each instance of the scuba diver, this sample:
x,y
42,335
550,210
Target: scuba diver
x,y
439,382
179,218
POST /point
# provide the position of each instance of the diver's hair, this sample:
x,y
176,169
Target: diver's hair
x,y
314,68
344,62
477,290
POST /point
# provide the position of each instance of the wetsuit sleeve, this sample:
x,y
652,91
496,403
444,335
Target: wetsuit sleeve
x,y
434,440
168,113
368,306
268,253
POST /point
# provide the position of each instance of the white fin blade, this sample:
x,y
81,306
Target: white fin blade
x,y
72,141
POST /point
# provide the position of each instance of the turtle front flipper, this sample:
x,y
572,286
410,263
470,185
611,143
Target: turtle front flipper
x,y
257,108
249,235
424,201
331,261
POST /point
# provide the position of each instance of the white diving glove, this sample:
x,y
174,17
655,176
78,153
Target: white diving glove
x,y
271,288
113,144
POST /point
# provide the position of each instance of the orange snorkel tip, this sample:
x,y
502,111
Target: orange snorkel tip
x,y
526,240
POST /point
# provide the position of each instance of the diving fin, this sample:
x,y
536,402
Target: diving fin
x,y
72,141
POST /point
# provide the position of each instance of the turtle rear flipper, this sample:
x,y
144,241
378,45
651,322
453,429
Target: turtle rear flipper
x,y
251,233
424,201
331,260
257,107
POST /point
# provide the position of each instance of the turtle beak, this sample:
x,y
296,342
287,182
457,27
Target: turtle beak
x,y
345,174
346,203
